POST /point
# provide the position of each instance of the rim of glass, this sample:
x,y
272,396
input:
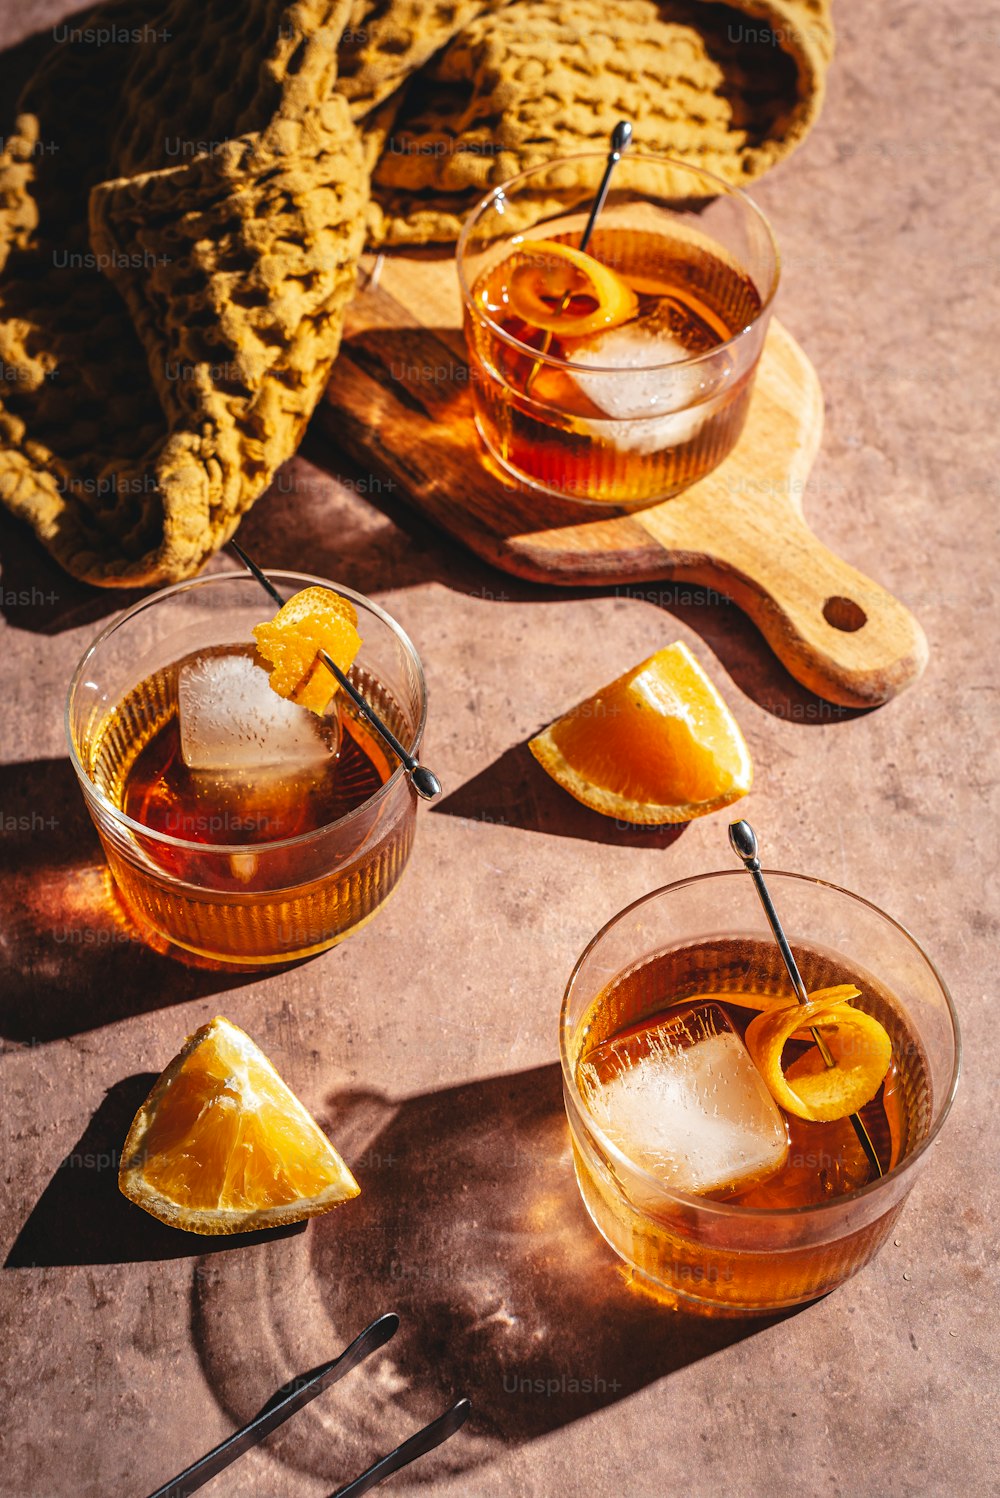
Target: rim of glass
x,y
734,1208
276,575
726,189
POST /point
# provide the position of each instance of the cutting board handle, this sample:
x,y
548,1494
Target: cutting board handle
x,y
839,633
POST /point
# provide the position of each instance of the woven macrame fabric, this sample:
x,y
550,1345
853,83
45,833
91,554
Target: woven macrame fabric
x,y
186,190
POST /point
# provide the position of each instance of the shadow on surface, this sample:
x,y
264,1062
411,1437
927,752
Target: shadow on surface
x,y
303,515
82,1218
470,1226
37,595
306,521
70,960
514,791
311,519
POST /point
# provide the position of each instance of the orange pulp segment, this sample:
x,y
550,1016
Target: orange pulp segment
x,y
859,1045
315,619
566,291
657,745
222,1145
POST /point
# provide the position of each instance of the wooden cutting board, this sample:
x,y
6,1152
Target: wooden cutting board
x,y
399,401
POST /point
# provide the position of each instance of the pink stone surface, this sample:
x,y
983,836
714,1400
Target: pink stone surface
x,y
427,1043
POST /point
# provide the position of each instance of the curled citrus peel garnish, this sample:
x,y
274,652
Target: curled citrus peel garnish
x,y
860,1048
315,619
869,1046
563,290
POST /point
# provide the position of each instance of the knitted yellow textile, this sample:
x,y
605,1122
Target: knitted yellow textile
x,y
526,81
188,186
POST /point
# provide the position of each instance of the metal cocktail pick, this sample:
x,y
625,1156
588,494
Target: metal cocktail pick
x,y
743,840
424,781
621,137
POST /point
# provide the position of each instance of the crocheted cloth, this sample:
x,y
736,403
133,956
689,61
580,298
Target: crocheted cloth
x,y
534,79
188,186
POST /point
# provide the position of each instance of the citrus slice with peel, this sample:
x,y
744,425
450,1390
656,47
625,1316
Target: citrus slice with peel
x,y
657,745
222,1145
563,290
315,619
859,1045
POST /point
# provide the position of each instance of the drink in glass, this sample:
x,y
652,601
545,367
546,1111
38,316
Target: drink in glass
x,y
285,833
623,375
719,1199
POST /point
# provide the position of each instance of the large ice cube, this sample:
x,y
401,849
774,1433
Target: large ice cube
x,y
683,1100
230,719
684,397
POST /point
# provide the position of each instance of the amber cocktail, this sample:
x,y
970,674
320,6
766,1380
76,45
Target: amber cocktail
x,y
290,830
720,1200
623,375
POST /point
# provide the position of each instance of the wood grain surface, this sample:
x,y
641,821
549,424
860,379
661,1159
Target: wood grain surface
x,y
399,400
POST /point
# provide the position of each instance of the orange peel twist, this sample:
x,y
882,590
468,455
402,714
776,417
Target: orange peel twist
x,y
313,620
549,275
859,1045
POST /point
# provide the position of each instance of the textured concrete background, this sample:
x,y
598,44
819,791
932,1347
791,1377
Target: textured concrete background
x,y
427,1043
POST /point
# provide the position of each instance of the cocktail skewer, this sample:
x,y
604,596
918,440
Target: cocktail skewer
x,y
424,781
743,841
621,136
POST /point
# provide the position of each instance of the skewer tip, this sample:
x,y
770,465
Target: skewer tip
x,y
621,136
425,782
743,840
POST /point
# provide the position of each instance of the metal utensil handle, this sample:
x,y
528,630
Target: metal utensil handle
x,y
425,1440
194,1477
621,136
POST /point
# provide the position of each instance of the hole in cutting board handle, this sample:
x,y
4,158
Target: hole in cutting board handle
x,y
844,614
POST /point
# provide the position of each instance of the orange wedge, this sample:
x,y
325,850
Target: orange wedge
x,y
222,1145
657,745
860,1048
563,290
315,619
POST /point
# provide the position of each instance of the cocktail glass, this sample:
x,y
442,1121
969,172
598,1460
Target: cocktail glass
x,y
201,892
709,934
620,423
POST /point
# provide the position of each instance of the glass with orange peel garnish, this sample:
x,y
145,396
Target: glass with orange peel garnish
x,y
622,373
714,1147
249,813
